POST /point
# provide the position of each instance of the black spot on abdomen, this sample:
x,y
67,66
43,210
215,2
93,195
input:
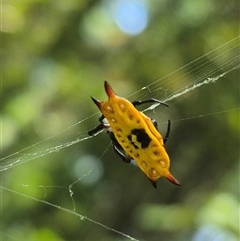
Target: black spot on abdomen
x,y
139,137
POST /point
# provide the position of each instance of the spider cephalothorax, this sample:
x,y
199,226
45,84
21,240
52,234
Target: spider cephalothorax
x,y
134,135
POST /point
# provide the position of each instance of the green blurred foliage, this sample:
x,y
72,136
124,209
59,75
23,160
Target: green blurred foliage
x,y
55,54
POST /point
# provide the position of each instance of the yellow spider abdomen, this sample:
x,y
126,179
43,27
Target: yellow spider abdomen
x,y
137,135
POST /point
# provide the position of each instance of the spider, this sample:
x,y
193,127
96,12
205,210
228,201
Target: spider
x,y
134,135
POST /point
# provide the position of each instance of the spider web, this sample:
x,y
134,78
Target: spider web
x,y
170,89
202,73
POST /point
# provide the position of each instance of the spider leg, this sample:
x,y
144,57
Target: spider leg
x,y
98,128
152,100
117,148
101,118
126,159
168,132
165,139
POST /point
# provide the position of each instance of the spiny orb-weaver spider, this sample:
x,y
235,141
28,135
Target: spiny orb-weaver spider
x,y
136,134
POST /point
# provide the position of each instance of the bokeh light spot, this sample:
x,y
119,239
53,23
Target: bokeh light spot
x,y
88,169
131,16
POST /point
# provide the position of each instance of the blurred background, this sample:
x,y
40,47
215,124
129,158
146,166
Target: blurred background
x,y
55,54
